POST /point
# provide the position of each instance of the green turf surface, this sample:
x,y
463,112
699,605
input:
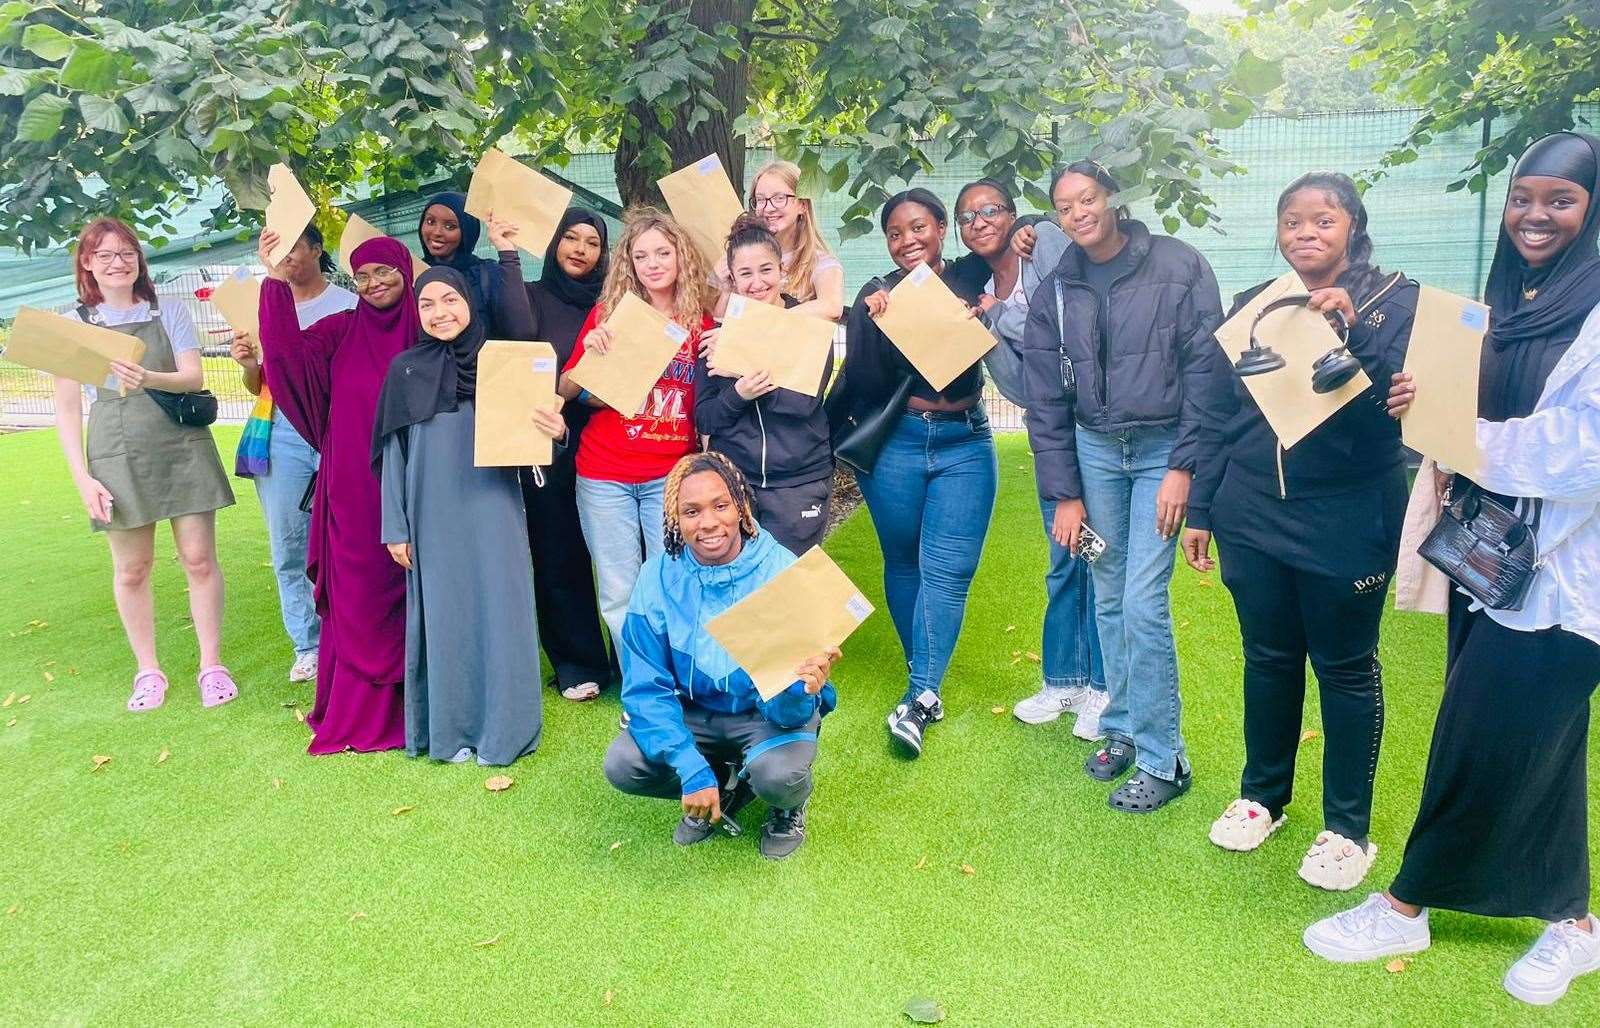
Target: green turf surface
x,y
240,880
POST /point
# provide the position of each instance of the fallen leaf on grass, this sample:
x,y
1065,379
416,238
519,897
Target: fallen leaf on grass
x,y
968,869
605,1000
100,761
997,710
161,758
49,677
922,862
277,783
923,1010
1011,628
1033,657
13,908
358,916
1309,734
397,811
1015,661
499,783
488,942
9,700
299,715
12,723
1204,583
1397,965
24,698
618,845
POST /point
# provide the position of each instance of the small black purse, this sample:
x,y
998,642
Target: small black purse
x,y
1483,546
197,409
859,430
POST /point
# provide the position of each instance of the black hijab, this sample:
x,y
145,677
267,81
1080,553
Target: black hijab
x,y
434,375
575,292
1569,285
471,228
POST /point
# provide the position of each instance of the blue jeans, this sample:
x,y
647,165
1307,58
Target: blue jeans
x,y
1121,473
1071,642
292,462
622,527
931,494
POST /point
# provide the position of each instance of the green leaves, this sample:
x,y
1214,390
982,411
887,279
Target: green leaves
x,y
102,115
41,118
1256,75
46,42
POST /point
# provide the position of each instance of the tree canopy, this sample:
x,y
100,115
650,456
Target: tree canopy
x,y
131,107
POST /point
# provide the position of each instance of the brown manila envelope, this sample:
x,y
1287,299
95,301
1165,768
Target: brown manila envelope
x,y
520,195
704,202
289,211
238,299
792,348
67,347
808,607
930,325
357,231
513,379
1300,336
643,344
1446,344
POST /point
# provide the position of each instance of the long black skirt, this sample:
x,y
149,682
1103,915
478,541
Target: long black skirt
x,y
1503,827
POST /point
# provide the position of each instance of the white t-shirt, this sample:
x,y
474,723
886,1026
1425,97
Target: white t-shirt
x,y
1019,295
825,262
175,319
331,300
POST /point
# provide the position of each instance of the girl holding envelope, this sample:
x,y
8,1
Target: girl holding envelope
x,y
282,465
1117,357
563,574
472,648
777,437
623,457
141,466
811,274
931,486
1503,826
1308,537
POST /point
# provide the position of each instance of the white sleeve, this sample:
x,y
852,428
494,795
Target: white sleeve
x,y
1553,454
179,326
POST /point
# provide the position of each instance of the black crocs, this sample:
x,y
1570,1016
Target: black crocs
x,y
1144,793
1108,763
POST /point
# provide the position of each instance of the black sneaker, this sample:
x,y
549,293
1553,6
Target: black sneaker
x,y
1111,761
691,829
908,721
783,833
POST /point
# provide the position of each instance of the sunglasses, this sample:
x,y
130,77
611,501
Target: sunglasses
x,y
988,212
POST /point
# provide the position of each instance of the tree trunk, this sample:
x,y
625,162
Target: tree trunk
x,y
636,182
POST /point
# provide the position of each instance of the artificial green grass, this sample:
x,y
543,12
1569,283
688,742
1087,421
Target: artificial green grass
x,y
240,880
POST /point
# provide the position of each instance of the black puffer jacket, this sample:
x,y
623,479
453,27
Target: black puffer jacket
x,y
1351,450
1140,360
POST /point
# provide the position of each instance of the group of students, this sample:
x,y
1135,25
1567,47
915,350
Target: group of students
x,y
1144,440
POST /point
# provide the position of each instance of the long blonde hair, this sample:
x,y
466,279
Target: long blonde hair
x,y
692,292
797,279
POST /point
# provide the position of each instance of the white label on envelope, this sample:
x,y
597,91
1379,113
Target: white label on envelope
x,y
676,332
921,274
858,607
735,307
708,165
544,365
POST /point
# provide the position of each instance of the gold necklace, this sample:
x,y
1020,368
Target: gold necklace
x,y
1528,294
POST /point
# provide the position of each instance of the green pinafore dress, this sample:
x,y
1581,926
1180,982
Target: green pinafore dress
x,y
154,467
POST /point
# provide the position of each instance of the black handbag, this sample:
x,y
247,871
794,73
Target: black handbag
x,y
1485,547
310,492
198,409
859,429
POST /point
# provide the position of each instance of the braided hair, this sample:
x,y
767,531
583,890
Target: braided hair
x,y
693,464
1360,278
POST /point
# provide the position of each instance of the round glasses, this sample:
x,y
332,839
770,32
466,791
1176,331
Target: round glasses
x,y
106,258
381,271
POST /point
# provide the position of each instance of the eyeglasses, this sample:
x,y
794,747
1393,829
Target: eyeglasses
x,y
106,258
777,201
988,212
381,271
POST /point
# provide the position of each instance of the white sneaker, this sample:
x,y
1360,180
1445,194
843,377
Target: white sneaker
x,y
305,667
1087,725
1562,953
1372,931
1049,703
1244,826
1335,863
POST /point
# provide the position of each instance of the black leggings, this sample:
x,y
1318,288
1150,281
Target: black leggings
x,y
1286,616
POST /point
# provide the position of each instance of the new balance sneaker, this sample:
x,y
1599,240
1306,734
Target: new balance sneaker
x,y
1372,931
1562,953
783,832
1049,703
908,721
1336,863
305,667
1087,726
1245,825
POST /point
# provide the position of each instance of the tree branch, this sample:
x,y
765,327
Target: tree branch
x,y
797,37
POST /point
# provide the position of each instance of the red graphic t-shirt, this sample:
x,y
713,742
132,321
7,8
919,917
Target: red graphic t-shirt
x,y
645,444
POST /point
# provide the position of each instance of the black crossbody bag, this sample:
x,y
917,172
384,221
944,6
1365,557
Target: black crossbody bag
x,y
1485,547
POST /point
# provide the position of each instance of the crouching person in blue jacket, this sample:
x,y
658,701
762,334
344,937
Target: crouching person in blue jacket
x,y
694,727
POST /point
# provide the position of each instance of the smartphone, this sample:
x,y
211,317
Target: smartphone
x,y
1090,544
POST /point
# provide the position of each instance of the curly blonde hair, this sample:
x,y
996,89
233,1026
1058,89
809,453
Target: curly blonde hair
x,y
692,293
732,477
797,279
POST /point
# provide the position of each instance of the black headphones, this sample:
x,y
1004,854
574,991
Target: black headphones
x,y
1328,372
